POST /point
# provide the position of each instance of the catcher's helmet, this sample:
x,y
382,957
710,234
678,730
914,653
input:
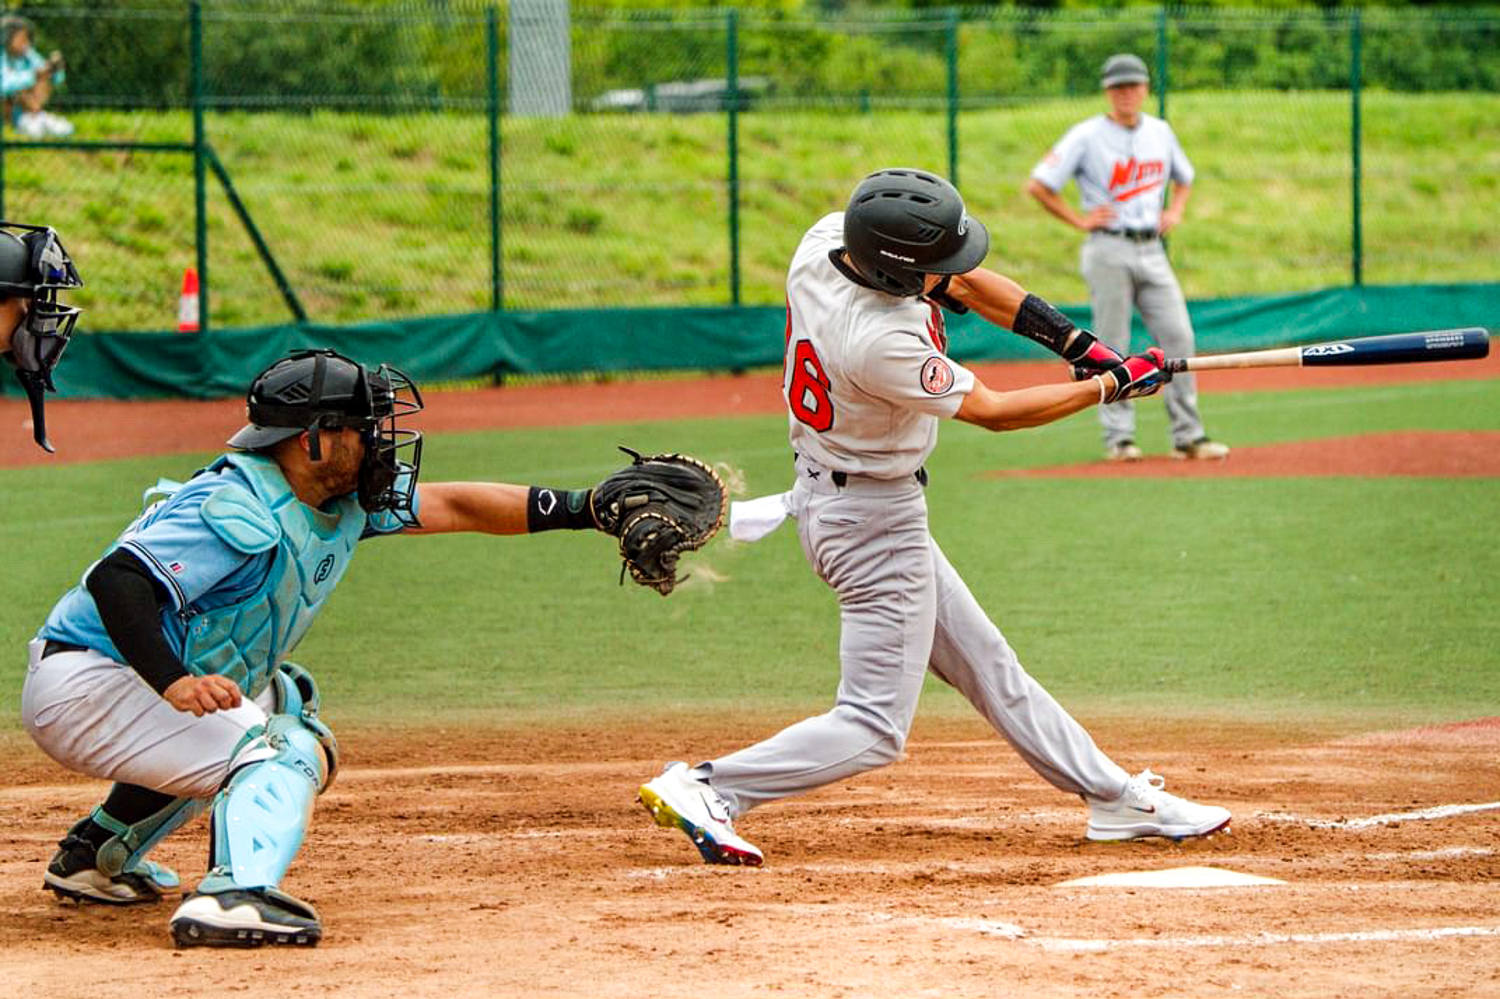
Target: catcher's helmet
x,y
315,390
34,266
902,225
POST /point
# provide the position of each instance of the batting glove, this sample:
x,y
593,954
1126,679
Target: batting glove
x,y
1090,356
1137,375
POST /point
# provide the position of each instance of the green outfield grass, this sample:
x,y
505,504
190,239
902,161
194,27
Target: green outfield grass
x,y
1365,599
376,216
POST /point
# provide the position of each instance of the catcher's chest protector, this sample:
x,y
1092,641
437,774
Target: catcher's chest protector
x,y
246,640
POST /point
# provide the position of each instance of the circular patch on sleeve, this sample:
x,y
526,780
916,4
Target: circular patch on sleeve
x,y
937,376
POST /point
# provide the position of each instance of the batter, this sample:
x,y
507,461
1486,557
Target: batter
x,y
867,382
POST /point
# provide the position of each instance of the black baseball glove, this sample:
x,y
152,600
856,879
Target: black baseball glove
x,y
659,507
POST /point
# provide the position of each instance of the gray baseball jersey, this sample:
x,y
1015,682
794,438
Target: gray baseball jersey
x,y
1124,168
866,378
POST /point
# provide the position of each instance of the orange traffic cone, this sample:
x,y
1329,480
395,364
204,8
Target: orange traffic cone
x,y
187,306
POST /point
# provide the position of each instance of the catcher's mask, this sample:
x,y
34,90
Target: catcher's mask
x,y
903,224
316,390
35,267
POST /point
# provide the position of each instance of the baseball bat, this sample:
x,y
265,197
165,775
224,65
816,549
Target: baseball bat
x,y
1470,343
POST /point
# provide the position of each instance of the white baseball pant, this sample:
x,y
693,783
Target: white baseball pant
x,y
904,610
98,717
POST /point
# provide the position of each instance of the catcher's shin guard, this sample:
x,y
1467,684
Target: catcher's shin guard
x,y
116,872
261,815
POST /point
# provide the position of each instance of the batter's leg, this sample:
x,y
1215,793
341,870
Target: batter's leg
x,y
970,653
1164,312
875,552
1111,296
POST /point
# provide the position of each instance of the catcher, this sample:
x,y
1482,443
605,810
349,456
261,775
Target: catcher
x,y
165,670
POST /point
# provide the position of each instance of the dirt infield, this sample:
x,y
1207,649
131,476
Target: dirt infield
x,y
511,864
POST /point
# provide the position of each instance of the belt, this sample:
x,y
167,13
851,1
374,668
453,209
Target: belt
x,y
822,479
1134,235
52,648
841,479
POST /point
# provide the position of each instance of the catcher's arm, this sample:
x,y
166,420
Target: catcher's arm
x,y
658,507
486,507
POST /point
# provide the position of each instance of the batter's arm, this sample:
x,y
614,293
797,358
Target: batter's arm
x,y
1005,303
994,296
1028,407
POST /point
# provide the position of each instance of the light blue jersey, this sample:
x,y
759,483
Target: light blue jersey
x,y
198,570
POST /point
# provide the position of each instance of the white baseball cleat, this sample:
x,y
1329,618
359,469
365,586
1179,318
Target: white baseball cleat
x,y
1146,810
1123,451
246,917
677,799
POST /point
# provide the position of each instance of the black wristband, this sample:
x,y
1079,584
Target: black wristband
x,y
1039,321
554,509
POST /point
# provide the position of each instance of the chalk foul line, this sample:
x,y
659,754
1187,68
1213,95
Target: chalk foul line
x,y
1070,945
1421,815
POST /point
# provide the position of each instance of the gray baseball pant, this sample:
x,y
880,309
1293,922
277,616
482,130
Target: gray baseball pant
x,y
904,610
1122,274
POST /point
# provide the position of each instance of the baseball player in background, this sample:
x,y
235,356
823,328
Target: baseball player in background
x,y
1122,161
165,670
867,381
34,325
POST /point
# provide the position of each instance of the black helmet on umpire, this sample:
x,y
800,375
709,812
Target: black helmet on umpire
x,y
35,267
314,390
903,224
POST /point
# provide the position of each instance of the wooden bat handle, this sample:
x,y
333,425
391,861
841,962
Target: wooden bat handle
x,y
1278,358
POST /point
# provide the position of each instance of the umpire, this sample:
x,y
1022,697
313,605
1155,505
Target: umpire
x,y
1122,161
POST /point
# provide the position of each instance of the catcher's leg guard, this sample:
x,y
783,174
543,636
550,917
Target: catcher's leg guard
x,y
259,820
115,871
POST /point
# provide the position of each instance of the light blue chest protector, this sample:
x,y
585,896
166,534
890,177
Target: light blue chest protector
x,y
246,640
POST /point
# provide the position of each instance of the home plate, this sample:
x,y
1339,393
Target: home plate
x,y
1172,877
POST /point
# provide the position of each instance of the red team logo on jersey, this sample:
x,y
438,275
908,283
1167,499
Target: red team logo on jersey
x,y
937,376
1134,177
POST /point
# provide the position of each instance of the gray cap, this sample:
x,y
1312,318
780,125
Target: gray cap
x,y
1122,69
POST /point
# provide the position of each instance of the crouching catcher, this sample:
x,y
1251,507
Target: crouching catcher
x,y
165,670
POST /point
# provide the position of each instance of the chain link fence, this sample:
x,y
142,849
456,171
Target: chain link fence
x,y
343,163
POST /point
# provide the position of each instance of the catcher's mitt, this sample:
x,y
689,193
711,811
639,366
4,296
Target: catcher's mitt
x,y
659,507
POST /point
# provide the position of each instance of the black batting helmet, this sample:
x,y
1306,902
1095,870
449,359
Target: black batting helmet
x,y
904,224
315,390
34,266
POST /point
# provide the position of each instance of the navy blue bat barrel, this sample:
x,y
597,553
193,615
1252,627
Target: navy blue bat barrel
x,y
1400,348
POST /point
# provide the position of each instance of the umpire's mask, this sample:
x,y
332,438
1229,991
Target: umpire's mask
x,y
313,390
35,267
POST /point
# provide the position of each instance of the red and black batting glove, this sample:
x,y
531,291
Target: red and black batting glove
x,y
1138,375
1090,355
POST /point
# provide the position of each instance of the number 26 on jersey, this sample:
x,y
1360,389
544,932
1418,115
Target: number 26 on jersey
x,y
807,393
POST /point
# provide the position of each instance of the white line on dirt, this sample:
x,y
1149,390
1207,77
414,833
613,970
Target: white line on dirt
x,y
1421,815
1447,853
1066,944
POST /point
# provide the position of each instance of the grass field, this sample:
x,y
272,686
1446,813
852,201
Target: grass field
x,y
377,216
1361,600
